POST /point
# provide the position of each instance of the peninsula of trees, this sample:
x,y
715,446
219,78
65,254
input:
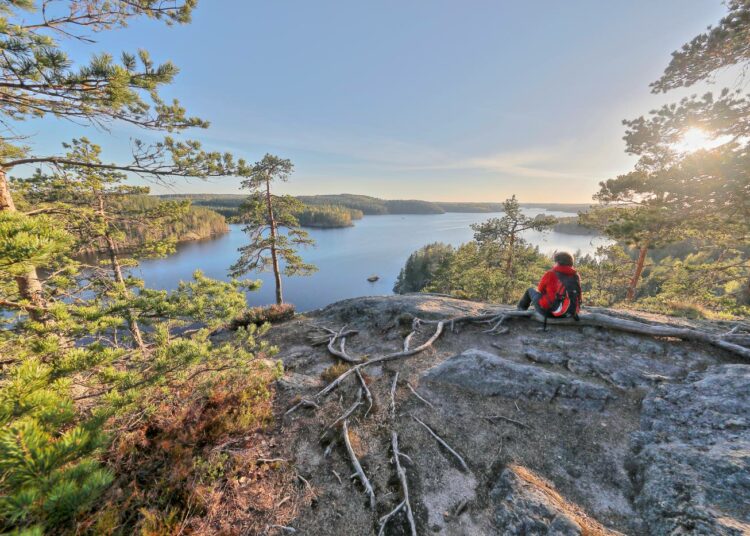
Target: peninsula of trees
x,y
341,210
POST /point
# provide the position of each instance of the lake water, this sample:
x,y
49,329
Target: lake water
x,y
376,245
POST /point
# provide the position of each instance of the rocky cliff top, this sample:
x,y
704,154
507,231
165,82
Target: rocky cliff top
x,y
502,428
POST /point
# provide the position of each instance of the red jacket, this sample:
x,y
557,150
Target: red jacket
x,y
549,284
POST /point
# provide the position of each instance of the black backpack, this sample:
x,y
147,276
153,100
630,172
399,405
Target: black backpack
x,y
569,290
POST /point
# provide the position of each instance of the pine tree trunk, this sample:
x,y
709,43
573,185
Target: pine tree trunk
x,y
274,253
638,271
509,267
511,249
29,286
6,200
114,261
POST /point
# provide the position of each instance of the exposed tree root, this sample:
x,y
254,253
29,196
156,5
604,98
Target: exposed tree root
x,y
368,394
349,411
420,397
340,336
358,471
384,520
731,341
405,504
304,402
444,444
496,327
406,352
393,396
506,419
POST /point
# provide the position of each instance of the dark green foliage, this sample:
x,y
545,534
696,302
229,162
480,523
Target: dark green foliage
x,y
228,205
257,256
39,77
411,206
68,378
368,205
720,46
422,266
477,272
373,205
188,223
328,216
507,229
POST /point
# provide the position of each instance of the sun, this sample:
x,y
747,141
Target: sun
x,y
696,139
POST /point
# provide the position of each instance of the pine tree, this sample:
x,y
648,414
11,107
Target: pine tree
x,y
272,225
39,79
422,266
634,214
67,369
506,231
701,194
97,208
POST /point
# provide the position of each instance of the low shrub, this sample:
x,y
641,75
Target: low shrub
x,y
271,314
190,464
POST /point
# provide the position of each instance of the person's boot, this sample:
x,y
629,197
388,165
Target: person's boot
x,y
525,302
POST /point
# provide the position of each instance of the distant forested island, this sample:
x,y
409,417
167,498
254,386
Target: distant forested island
x,y
340,210
187,223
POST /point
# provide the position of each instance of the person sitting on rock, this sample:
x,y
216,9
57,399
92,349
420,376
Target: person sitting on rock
x,y
559,291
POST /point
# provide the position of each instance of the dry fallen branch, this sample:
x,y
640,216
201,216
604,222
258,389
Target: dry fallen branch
x,y
444,444
602,320
271,460
653,330
359,472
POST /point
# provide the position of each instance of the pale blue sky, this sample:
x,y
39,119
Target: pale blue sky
x,y
428,99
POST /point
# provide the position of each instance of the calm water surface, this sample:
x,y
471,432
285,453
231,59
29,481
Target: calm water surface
x,y
376,245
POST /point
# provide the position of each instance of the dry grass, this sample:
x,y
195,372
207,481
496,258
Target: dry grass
x,y
359,446
191,467
333,372
589,526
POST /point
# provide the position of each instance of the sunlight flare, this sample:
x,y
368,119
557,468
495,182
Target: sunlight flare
x,y
697,139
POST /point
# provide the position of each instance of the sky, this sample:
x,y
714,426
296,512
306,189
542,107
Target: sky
x,y
425,99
